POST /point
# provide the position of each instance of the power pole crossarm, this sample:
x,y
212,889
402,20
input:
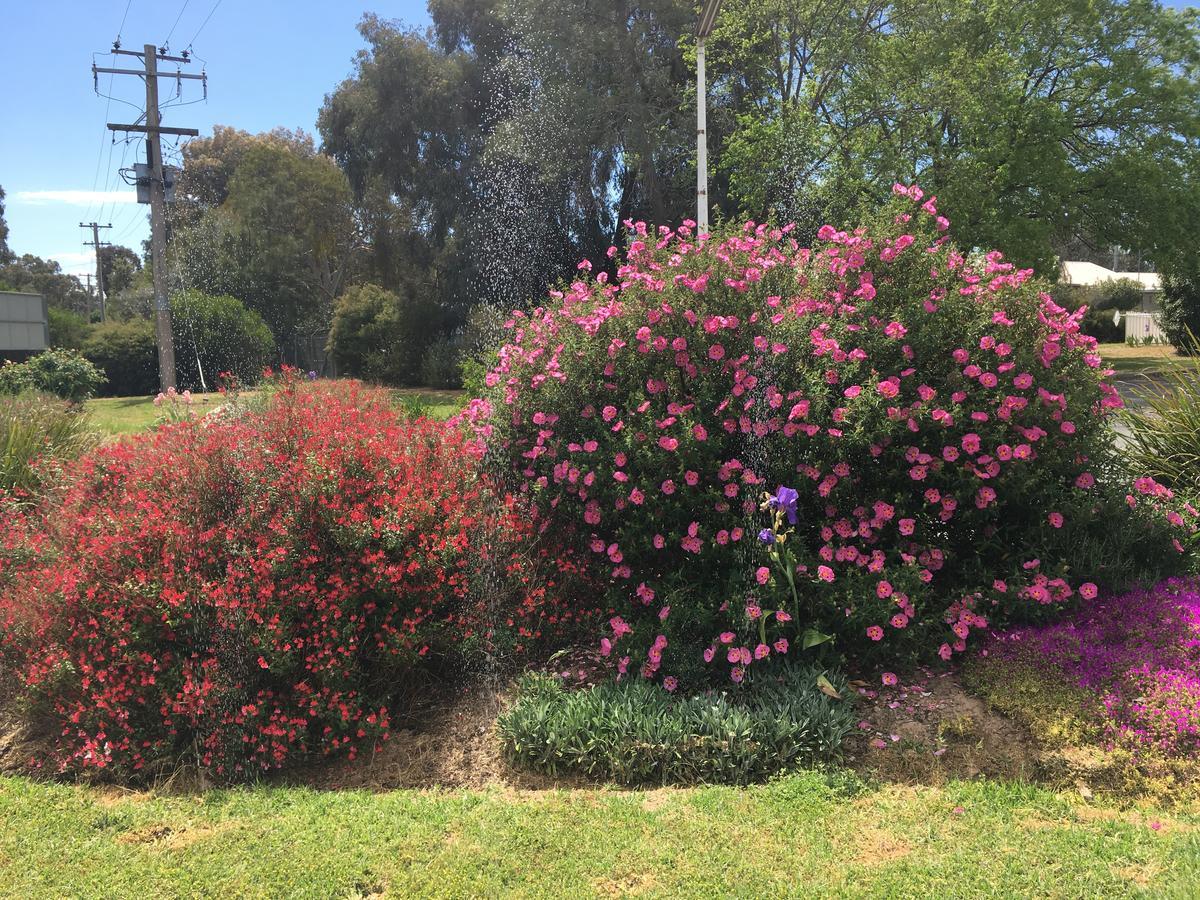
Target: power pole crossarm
x,y
154,130
100,70
161,129
95,242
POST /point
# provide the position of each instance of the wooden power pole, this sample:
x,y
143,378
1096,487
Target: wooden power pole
x,y
153,129
95,242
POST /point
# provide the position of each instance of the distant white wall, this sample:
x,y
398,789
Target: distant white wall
x,y
23,325
1142,326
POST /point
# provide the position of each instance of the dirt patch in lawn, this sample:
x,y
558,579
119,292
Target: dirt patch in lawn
x,y
928,728
174,837
874,846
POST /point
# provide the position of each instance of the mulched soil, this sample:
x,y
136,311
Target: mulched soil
x,y
925,730
929,728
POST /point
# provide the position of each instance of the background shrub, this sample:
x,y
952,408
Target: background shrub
x,y
633,732
1180,313
381,335
127,353
1164,429
482,334
938,421
63,373
440,365
245,590
37,432
68,329
1103,301
215,334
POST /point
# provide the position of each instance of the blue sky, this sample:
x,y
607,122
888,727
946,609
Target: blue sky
x,y
269,62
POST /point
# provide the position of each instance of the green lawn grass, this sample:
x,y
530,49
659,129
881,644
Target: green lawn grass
x,y
1148,360
129,415
800,836
115,416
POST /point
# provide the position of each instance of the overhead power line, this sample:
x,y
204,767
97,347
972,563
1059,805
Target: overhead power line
x,y
202,24
167,42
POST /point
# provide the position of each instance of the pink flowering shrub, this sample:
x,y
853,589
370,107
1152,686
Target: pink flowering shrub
x,y
935,421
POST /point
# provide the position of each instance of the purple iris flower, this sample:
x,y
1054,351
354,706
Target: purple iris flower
x,y
785,498
767,536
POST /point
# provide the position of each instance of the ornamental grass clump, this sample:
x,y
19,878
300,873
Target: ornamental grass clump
x,y
931,424
39,435
636,734
240,592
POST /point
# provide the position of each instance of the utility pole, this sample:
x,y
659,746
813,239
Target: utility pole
x,y
153,129
708,19
95,242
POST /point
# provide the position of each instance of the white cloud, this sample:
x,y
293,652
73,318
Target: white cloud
x,y
71,261
73,198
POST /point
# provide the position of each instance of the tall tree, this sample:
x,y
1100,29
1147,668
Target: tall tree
x,y
493,152
1037,121
45,276
120,266
268,220
6,255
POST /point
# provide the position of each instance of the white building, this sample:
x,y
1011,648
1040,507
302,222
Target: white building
x,y
1141,324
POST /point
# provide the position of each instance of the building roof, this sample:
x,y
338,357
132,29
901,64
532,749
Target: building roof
x,y
1089,274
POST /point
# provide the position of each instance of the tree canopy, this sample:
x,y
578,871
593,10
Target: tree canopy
x,y
1036,122
490,153
268,220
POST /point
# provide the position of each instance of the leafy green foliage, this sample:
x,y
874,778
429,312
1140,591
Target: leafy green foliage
x,y
63,373
512,139
633,732
34,275
381,335
1035,122
440,365
271,224
215,334
5,253
1102,301
128,355
1164,428
1180,315
36,432
121,266
68,329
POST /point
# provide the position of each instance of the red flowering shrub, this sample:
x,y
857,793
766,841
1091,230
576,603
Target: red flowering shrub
x,y
254,587
929,429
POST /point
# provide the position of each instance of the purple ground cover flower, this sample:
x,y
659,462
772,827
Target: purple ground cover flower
x,y
1139,652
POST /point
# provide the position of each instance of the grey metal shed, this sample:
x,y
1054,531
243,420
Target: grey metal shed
x,y
24,325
